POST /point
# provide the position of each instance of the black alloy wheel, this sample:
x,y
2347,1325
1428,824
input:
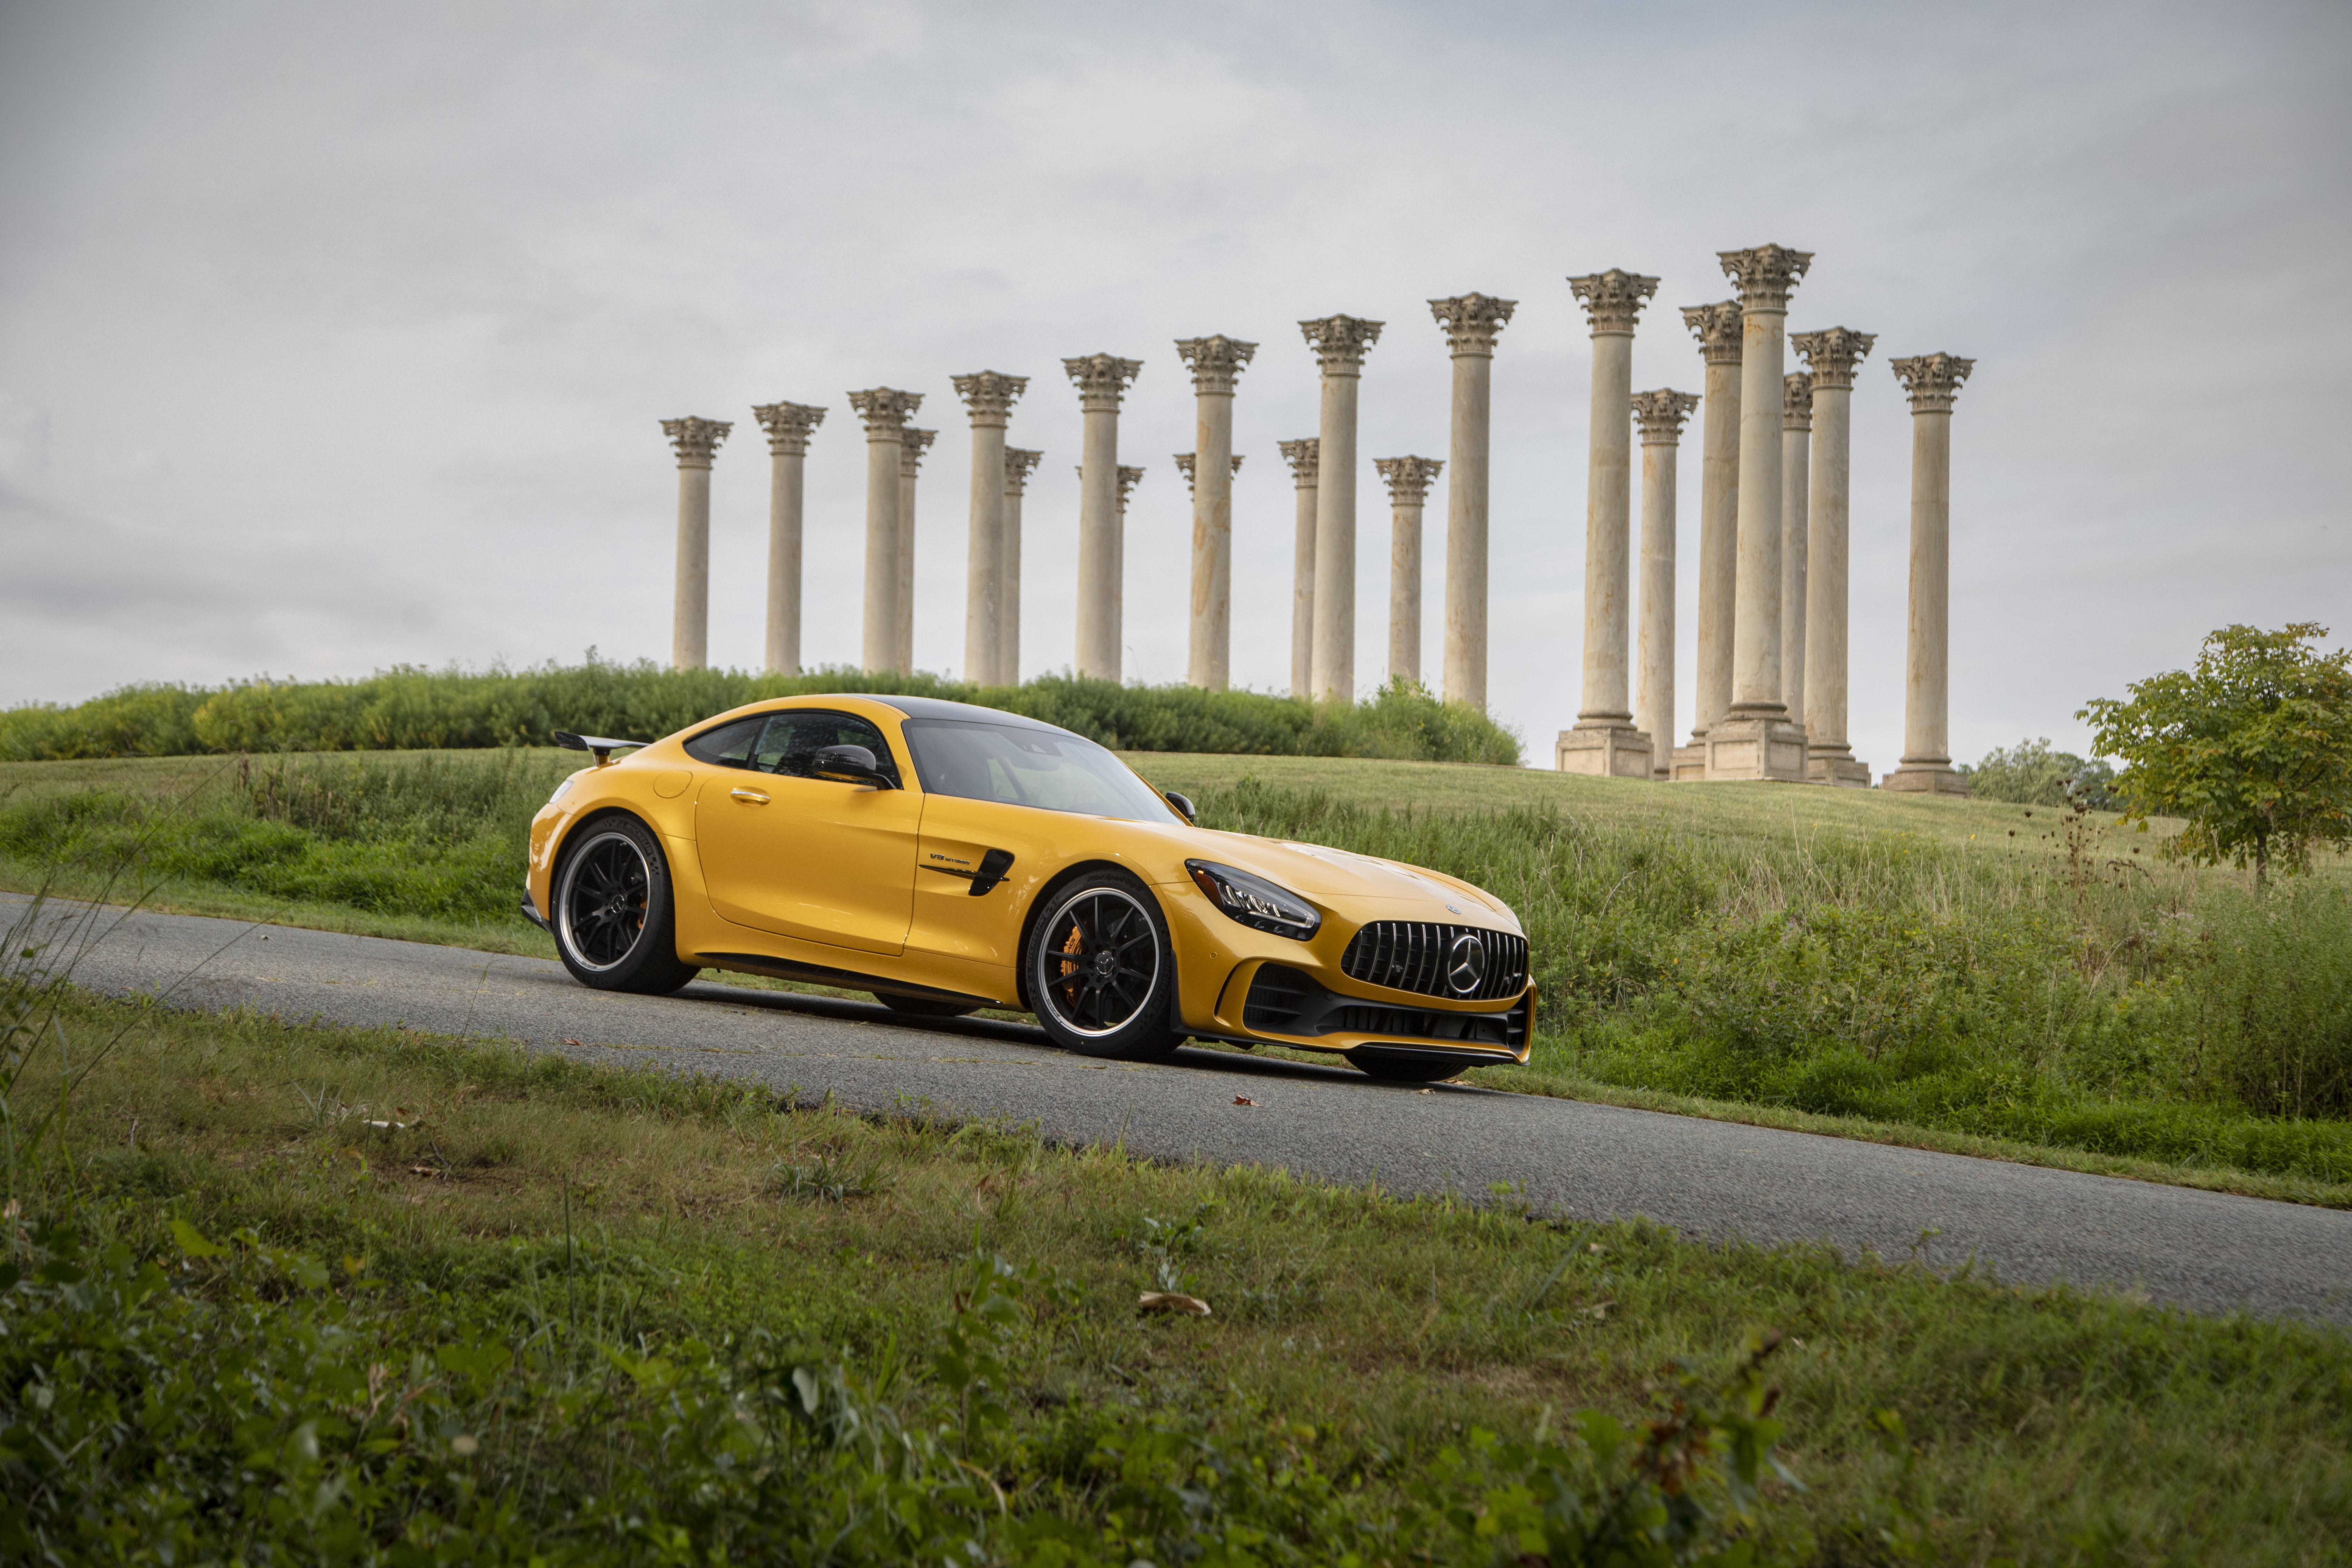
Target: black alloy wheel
x,y
1100,972
615,926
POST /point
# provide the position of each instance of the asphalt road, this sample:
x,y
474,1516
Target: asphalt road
x,y
2206,1251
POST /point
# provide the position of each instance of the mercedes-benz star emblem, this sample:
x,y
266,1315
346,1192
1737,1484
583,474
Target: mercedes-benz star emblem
x,y
1465,963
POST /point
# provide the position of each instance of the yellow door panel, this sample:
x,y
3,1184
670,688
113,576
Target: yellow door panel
x,y
958,836
827,862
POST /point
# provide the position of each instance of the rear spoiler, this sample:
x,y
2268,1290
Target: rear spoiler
x,y
603,747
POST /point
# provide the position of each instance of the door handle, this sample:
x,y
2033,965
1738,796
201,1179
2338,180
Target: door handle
x,y
748,796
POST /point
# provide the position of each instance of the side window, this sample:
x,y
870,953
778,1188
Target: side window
x,y
728,746
790,743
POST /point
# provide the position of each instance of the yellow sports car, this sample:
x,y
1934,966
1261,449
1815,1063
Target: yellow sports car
x,y
948,858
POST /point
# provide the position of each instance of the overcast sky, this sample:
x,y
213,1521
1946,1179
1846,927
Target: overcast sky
x,y
332,337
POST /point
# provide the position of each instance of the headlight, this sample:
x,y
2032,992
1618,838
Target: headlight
x,y
1254,901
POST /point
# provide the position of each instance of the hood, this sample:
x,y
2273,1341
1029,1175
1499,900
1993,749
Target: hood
x,y
1322,874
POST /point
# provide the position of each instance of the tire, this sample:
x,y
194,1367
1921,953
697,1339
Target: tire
x,y
922,1006
1101,974
614,915
1399,1069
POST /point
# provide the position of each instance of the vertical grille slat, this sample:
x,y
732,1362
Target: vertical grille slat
x,y
1410,955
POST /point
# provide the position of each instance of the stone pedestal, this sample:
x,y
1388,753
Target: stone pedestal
x,y
1216,365
1102,381
788,425
1304,458
1339,343
912,445
1831,355
697,442
1408,480
1472,322
1018,462
1661,414
1932,381
1718,329
885,412
989,397
1613,301
1756,740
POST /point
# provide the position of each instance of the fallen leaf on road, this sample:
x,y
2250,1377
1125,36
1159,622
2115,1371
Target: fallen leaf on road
x,y
1170,1302
1243,1100
1424,1091
574,1043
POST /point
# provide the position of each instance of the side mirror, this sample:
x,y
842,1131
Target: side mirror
x,y
850,764
1183,805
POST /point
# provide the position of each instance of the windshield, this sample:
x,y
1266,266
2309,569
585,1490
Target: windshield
x,y
1029,767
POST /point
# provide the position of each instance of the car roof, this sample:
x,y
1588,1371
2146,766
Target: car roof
x,y
969,713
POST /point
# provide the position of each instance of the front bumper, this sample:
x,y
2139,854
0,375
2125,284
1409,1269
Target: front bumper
x,y
1287,1005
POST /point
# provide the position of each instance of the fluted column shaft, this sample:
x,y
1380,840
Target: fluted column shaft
x,y
990,396
1340,343
1796,440
1756,619
1018,462
788,425
1719,331
696,441
885,412
1472,322
1661,414
1826,566
912,445
1304,458
1408,480
1216,365
1608,520
1101,380
1931,381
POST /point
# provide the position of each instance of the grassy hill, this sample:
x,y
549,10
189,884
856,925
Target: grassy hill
x,y
1963,974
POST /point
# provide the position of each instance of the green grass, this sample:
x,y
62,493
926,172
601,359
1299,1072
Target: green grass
x,y
1974,976
607,1316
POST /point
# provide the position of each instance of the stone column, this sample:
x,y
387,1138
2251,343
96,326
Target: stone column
x,y
1796,441
1661,414
1018,462
1605,742
1128,480
1831,354
1408,481
1755,741
990,396
911,448
1305,461
696,441
885,412
1718,329
1339,343
1102,381
1216,365
788,425
1932,381
1472,322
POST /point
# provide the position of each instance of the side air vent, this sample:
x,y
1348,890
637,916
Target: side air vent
x,y
1467,964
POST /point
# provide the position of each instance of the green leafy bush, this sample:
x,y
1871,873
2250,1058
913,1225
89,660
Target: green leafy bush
x,y
2033,772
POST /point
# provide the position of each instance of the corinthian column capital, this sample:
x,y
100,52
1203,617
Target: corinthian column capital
x,y
1765,276
788,425
1408,477
696,440
1019,462
1932,381
912,445
1216,362
1613,299
1717,327
1661,414
1832,354
1128,480
1340,342
1472,322
1102,379
1304,458
1797,401
1185,467
990,395
884,410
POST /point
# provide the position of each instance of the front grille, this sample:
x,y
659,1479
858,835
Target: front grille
x,y
1410,955
1282,1001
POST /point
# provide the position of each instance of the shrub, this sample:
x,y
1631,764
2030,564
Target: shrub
x,y
2269,999
2032,773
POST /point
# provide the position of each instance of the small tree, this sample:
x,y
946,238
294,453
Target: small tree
x,y
2253,747
2033,772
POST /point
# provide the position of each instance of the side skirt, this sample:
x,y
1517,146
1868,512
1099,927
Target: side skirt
x,y
846,979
